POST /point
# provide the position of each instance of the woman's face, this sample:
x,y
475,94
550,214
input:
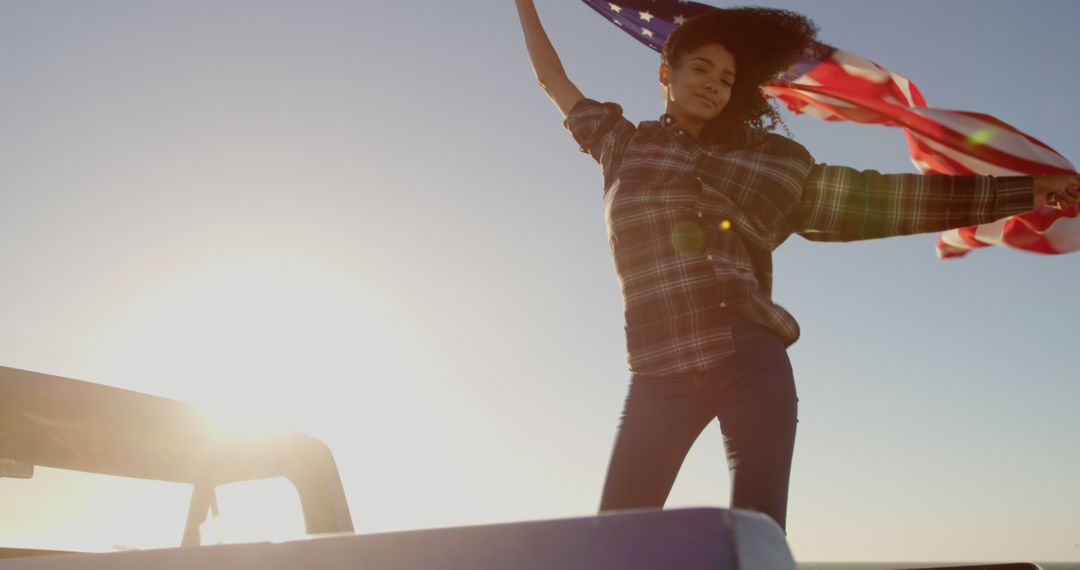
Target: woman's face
x,y
699,88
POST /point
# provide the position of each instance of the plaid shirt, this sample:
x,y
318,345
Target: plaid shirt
x,y
692,227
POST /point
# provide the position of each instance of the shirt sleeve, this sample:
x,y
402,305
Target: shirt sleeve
x,y
601,131
844,204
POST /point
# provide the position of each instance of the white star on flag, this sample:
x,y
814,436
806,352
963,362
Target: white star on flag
x,y
646,16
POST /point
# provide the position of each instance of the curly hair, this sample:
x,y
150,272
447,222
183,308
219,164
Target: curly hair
x,y
764,42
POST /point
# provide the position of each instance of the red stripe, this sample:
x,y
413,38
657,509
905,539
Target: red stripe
x,y
1040,220
916,95
938,162
1002,124
948,251
832,74
1020,236
1024,231
796,102
968,235
939,133
868,105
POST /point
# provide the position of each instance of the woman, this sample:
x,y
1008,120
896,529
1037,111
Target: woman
x,y
695,204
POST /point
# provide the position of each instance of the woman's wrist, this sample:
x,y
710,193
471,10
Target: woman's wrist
x,y
1057,190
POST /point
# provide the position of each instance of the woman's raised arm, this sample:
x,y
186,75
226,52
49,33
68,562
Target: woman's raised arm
x,y
549,70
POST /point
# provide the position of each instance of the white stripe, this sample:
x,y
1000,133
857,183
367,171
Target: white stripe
x,y
998,138
860,67
894,101
905,88
806,80
947,247
953,240
975,165
811,108
838,103
820,112
1064,235
991,233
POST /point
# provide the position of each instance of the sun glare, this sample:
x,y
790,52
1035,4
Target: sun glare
x,y
256,511
264,343
260,342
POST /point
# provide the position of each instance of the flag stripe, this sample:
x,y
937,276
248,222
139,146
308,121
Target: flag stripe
x,y
836,85
998,136
933,128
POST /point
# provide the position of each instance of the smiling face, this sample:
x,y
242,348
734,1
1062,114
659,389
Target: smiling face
x,y
699,86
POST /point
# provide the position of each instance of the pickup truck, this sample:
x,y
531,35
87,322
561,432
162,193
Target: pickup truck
x,y
66,424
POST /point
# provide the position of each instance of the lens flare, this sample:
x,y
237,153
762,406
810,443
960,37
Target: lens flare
x,y
688,237
981,136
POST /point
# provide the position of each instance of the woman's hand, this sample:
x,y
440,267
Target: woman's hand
x,y
1058,191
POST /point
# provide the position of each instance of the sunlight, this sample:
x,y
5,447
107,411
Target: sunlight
x,y
256,511
266,343
69,510
261,342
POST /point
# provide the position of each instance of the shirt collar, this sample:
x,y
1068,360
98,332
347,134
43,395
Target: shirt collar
x,y
744,137
669,122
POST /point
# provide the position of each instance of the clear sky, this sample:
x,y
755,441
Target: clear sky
x,y
365,221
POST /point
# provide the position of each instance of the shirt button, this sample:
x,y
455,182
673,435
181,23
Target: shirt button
x,y
700,215
709,257
723,305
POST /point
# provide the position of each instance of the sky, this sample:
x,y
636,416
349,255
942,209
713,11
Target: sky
x,y
366,222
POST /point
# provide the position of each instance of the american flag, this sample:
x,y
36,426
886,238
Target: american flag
x,y
835,85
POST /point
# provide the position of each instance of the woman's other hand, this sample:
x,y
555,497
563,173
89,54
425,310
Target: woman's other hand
x,y
1057,191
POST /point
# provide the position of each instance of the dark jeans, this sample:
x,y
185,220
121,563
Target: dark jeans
x,y
753,397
